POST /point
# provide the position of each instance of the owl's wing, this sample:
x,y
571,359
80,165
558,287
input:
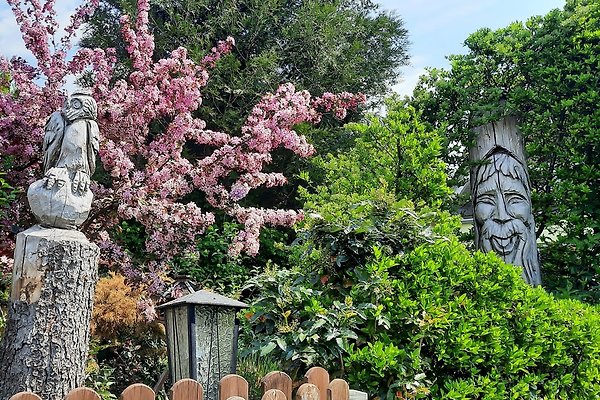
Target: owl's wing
x,y
54,131
93,144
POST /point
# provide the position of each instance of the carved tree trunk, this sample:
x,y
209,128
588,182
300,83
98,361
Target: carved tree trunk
x,y
46,341
501,194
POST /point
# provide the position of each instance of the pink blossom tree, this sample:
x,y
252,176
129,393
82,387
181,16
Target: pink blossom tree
x,y
149,174
146,122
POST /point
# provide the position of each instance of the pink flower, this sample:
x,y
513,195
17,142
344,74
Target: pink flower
x,y
150,177
147,310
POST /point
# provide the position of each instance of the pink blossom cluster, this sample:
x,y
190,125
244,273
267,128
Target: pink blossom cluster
x,y
340,103
210,60
149,172
147,310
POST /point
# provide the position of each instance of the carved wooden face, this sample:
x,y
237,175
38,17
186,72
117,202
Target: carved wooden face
x,y
503,208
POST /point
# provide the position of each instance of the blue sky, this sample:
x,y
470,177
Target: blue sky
x,y
437,28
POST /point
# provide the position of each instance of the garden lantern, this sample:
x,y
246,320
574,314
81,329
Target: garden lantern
x,y
202,332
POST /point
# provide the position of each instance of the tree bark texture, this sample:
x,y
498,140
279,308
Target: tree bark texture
x,y
45,344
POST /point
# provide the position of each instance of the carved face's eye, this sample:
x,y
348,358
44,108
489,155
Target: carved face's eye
x,y
515,198
487,198
76,104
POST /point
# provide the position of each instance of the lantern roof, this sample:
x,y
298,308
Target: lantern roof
x,y
205,298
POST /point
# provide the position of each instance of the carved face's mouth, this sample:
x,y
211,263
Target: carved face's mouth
x,y
505,245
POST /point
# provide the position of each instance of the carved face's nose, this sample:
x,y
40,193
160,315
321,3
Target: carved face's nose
x,y
500,214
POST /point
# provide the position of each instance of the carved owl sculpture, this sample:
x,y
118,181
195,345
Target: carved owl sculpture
x,y
62,198
71,143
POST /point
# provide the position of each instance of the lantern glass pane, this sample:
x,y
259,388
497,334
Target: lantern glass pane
x,y
214,346
179,348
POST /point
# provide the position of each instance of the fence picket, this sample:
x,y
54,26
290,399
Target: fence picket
x,y
277,380
274,394
186,389
276,385
320,378
338,390
82,393
308,391
233,385
236,398
139,391
25,396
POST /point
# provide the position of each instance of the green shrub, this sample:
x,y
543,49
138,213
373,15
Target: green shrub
x,y
134,356
253,368
211,266
483,333
311,314
7,193
437,322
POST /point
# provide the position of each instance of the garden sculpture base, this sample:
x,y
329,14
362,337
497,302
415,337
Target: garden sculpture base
x,y
47,332
59,206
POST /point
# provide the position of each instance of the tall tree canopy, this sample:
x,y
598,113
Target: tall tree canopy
x,y
318,45
547,72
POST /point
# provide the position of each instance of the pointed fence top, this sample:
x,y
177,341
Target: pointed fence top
x,y
205,298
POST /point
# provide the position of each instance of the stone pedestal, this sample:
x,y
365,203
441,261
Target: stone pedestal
x,y
47,333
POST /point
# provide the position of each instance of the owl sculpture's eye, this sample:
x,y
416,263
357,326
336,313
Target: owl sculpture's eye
x,y
76,104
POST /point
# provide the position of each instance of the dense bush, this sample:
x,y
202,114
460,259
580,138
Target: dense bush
x,y
431,321
333,295
478,331
127,345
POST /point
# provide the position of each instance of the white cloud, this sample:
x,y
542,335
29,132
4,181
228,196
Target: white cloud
x,y
434,15
11,43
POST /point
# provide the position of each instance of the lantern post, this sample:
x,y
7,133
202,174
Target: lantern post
x,y
202,333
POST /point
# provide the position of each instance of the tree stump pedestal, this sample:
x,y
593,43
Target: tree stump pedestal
x,y
47,335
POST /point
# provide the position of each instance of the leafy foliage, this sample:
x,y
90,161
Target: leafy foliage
x,y
320,46
135,357
7,194
100,379
395,152
437,321
545,71
211,266
310,315
253,368
485,333
383,292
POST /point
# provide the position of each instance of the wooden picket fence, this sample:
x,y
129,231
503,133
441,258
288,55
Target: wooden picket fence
x,y
275,385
